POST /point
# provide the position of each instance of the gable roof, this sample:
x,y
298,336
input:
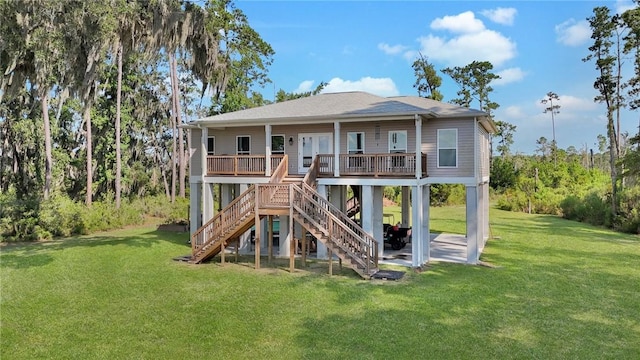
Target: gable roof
x,y
350,106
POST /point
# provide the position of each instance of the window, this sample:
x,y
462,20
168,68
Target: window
x,y
211,145
243,145
355,142
448,148
277,144
355,145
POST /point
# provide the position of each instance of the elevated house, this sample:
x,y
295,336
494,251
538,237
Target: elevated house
x,y
298,159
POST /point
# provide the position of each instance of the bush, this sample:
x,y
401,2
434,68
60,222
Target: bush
x,y
33,219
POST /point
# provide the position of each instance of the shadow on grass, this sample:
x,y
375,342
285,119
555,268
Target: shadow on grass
x,y
25,255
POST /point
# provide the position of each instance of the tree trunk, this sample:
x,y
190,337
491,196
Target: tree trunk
x,y
118,187
612,161
178,116
48,163
174,151
86,114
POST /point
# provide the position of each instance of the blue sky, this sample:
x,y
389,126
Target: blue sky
x,y
536,47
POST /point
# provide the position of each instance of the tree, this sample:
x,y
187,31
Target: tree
x,y
474,80
602,27
505,133
281,95
427,79
553,109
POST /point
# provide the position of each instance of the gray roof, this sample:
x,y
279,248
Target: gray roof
x,y
340,106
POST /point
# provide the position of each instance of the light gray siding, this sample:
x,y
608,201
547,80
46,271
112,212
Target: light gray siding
x,y
483,152
380,145
465,128
195,152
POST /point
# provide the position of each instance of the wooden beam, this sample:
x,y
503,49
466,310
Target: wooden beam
x,y
270,236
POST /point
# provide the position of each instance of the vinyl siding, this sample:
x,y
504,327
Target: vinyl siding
x,y
195,152
465,128
483,151
381,145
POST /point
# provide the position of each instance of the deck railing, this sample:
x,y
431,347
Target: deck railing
x,y
398,164
240,164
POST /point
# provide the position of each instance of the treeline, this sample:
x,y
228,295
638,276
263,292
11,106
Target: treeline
x,y
92,96
573,184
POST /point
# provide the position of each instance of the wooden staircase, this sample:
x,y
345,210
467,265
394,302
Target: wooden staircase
x,y
341,235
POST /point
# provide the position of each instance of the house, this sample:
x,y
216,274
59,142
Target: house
x,y
300,159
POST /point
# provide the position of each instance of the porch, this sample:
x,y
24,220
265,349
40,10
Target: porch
x,y
373,165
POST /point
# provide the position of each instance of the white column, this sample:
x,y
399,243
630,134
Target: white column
x,y
417,241
225,198
203,151
285,237
485,208
426,224
418,146
406,203
366,209
472,224
195,207
321,250
267,150
207,202
336,149
378,209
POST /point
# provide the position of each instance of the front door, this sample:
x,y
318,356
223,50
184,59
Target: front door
x,y
310,145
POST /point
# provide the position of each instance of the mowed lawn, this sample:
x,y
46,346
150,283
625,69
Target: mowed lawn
x,y
557,290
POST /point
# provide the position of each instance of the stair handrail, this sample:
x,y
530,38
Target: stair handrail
x,y
212,229
281,171
312,174
360,246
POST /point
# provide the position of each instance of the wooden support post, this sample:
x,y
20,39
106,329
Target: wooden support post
x,y
292,242
237,249
258,230
304,248
270,237
330,261
222,253
340,263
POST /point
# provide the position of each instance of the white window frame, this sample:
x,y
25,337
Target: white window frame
x,y
355,151
243,152
284,145
447,148
211,151
398,150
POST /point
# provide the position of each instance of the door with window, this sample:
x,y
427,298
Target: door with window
x,y
310,145
397,145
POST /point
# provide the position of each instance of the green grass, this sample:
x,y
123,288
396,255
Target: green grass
x,y
558,290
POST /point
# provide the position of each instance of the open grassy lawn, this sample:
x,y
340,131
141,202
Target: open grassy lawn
x,y
559,290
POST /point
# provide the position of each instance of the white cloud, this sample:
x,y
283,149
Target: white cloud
x,y
501,15
470,41
569,103
511,112
508,76
377,86
391,50
486,45
624,5
465,22
573,33
304,86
